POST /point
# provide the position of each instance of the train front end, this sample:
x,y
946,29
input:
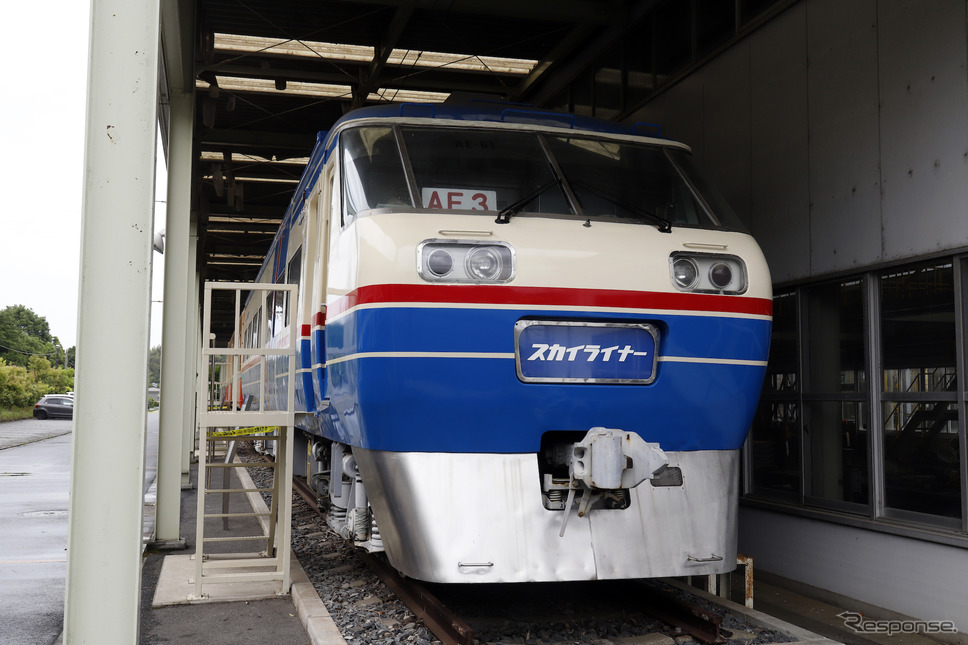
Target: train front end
x,y
544,348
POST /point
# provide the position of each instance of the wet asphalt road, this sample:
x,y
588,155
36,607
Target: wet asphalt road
x,y
34,493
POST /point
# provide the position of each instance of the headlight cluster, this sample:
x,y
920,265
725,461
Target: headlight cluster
x,y
708,273
465,261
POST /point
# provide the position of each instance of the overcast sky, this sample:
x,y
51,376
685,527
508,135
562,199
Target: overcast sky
x,y
42,112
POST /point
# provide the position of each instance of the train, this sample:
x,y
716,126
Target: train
x,y
530,344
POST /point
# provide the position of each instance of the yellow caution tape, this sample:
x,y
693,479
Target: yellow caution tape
x,y
241,431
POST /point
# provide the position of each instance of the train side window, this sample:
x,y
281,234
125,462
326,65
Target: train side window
x,y
254,331
270,303
292,277
277,306
336,212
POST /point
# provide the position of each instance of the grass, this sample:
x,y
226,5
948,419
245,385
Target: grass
x,y
12,414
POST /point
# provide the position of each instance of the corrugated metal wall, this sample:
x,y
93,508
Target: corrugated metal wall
x,y
839,131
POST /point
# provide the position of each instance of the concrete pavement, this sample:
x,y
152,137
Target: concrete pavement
x,y
34,484
24,431
35,465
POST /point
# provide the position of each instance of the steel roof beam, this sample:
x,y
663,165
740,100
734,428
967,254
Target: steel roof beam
x,y
369,79
541,87
565,49
239,70
576,11
257,139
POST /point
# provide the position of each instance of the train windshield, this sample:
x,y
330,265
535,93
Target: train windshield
x,y
524,172
470,169
633,181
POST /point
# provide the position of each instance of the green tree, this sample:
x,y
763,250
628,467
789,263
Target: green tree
x,y
50,378
23,334
18,386
27,350
154,365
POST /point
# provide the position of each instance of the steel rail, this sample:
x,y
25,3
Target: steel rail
x,y
441,621
299,485
690,618
445,624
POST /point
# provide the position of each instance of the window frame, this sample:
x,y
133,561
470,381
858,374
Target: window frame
x,y
786,397
876,515
811,396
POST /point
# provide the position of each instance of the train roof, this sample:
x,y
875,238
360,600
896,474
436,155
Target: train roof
x,y
476,110
497,112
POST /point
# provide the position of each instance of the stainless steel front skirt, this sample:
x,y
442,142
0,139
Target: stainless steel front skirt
x,y
459,517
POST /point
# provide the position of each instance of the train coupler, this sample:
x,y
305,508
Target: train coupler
x,y
605,464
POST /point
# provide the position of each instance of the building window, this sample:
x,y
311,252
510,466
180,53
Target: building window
x,y
920,427
775,436
862,409
835,422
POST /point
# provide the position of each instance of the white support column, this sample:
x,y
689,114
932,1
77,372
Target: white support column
x,y
176,335
107,472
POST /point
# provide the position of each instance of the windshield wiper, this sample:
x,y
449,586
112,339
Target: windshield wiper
x,y
664,225
504,217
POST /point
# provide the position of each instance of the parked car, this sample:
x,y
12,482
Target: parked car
x,y
55,405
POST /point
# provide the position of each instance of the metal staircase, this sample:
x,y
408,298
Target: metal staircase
x,y
254,417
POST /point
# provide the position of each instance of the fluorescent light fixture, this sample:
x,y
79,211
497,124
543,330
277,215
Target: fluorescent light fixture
x,y
364,54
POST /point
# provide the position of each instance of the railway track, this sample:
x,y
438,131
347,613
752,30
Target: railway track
x,y
443,623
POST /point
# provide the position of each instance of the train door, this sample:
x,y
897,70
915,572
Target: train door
x,y
328,195
306,306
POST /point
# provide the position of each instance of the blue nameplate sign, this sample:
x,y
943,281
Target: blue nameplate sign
x,y
585,352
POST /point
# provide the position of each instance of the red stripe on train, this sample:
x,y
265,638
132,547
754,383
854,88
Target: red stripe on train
x,y
554,296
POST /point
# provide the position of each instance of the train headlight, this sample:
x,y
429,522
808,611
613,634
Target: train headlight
x,y
465,261
685,273
708,273
720,275
483,263
440,262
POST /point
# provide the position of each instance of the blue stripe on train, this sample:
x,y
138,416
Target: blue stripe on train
x,y
479,405
319,372
491,330
308,402
437,404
